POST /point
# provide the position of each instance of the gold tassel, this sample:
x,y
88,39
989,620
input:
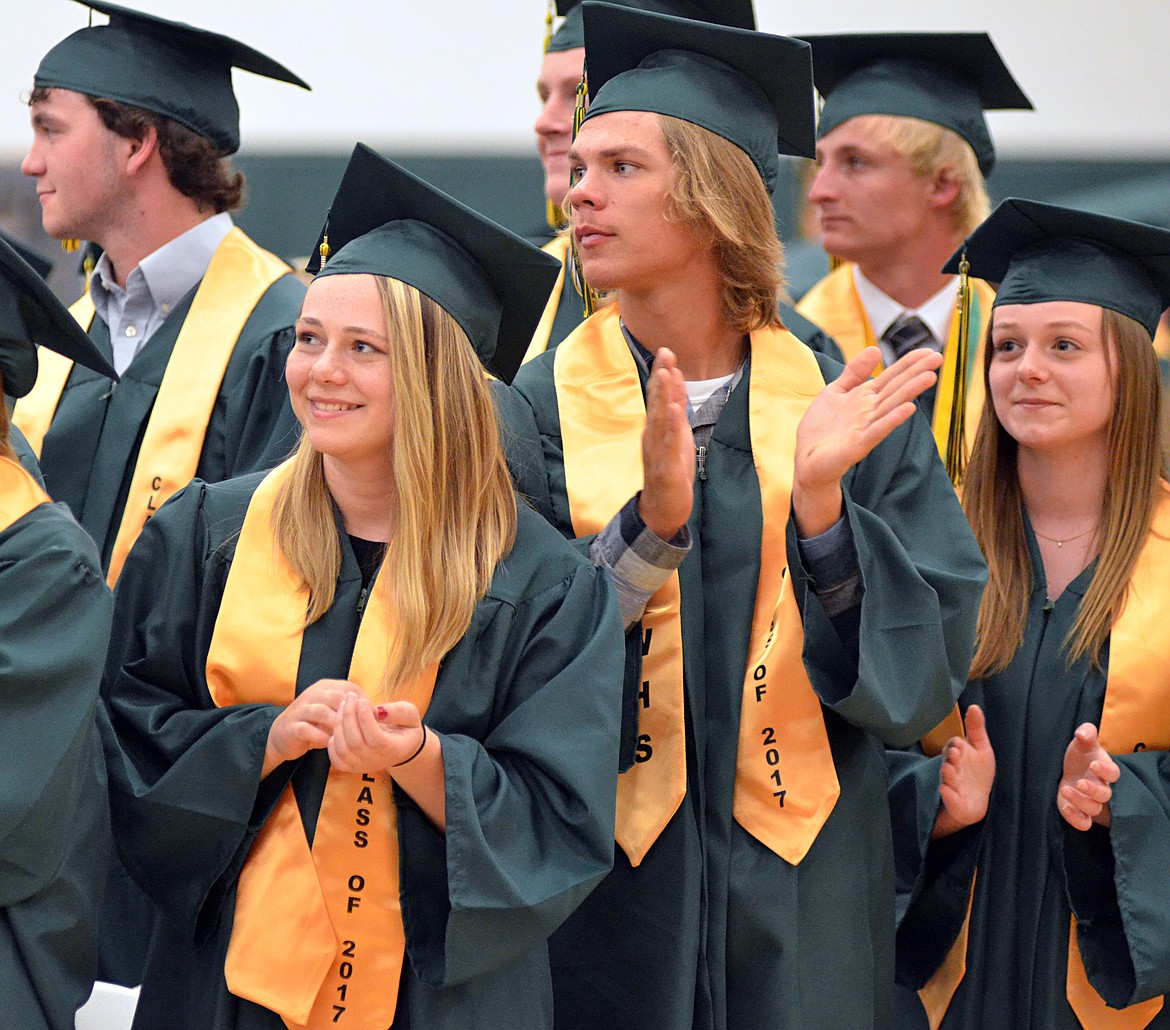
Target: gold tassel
x,y
956,459
579,283
548,24
324,250
835,262
554,214
88,264
70,246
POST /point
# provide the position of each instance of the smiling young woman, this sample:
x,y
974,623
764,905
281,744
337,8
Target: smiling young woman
x,y
360,684
1069,691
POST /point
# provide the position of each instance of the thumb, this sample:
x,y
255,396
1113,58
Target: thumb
x,y
1085,737
976,725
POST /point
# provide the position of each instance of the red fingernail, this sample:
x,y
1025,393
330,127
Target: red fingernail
x,y
381,713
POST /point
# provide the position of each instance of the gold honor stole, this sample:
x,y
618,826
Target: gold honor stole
x,y
19,493
1135,717
785,783
835,305
338,901
239,275
558,248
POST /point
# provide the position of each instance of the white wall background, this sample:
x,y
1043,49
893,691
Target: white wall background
x,y
457,75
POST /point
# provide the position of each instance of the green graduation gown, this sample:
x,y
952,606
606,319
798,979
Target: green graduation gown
x,y
91,447
54,817
528,703
713,930
1033,870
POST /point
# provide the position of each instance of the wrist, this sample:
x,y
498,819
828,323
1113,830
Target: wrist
x,y
417,751
816,509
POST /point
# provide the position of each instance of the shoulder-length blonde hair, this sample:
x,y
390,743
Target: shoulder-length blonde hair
x,y
994,507
717,191
454,513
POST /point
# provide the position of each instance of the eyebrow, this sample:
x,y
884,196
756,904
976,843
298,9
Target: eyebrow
x,y
354,330
622,150
1064,323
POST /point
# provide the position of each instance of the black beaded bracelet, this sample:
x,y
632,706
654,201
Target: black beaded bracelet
x,y
422,744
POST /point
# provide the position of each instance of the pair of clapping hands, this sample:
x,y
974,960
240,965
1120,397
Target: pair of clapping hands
x,y
968,771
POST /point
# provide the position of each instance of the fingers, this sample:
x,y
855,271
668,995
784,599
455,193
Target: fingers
x,y
860,369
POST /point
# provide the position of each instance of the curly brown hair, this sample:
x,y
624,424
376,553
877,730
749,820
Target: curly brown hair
x,y
195,167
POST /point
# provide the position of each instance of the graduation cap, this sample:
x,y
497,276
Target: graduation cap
x,y
948,78
34,259
751,88
167,67
1040,252
386,221
31,314
570,34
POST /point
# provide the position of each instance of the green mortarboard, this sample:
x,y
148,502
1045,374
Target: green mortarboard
x,y
31,314
386,221
1040,252
751,88
34,259
949,79
570,34
162,66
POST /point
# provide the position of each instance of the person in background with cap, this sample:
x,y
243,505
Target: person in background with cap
x,y
1068,495
375,814
561,71
132,124
54,628
902,151
763,530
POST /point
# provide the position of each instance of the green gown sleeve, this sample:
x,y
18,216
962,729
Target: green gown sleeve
x,y
922,575
54,820
531,798
184,774
1117,884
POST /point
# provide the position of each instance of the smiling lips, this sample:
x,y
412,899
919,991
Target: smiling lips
x,y
331,407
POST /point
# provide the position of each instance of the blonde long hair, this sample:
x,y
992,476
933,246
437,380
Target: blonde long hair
x,y
717,191
994,507
454,509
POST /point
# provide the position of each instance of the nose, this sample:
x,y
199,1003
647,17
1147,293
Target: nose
x,y
328,366
1031,364
822,185
547,124
582,190
32,165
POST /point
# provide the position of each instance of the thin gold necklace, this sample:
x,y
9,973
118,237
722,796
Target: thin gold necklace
x,y
1067,539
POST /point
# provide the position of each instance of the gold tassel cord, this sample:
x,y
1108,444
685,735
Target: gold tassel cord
x,y
548,24
70,246
88,264
956,458
554,215
579,283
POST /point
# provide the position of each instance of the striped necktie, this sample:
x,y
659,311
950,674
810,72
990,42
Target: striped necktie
x,y
906,334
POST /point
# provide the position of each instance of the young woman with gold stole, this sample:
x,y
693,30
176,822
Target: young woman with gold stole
x,y
1041,902
365,709
54,627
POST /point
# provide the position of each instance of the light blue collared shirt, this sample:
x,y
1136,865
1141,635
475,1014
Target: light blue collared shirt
x,y
154,288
